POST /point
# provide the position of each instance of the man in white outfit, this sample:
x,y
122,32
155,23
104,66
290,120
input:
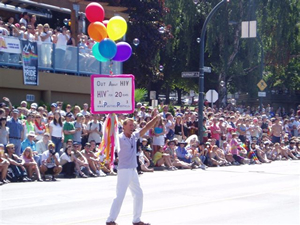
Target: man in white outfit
x,y
127,173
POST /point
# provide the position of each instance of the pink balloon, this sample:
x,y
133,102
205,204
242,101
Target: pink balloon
x,y
94,12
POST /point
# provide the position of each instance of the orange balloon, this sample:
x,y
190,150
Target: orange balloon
x,y
97,31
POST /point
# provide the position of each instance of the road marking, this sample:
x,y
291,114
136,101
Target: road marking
x,y
188,205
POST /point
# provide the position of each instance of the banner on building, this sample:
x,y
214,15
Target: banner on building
x,y
10,45
30,62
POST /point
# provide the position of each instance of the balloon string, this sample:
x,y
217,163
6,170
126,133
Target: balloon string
x,y
111,68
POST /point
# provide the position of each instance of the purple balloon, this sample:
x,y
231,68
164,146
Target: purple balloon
x,y
124,52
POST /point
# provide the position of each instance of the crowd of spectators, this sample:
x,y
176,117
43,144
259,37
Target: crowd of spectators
x,y
45,36
38,144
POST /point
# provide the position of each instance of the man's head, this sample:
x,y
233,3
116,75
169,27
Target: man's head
x,y
172,144
166,108
46,137
10,148
69,116
168,115
87,146
15,114
128,126
31,136
51,146
23,104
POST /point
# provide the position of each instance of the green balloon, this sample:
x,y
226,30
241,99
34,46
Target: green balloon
x,y
97,54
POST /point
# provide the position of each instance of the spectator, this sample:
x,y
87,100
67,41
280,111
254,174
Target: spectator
x,y
67,161
24,19
29,142
50,163
4,163
46,45
171,150
192,125
30,34
30,164
213,158
39,127
162,159
182,153
94,129
41,145
93,161
61,46
68,128
85,111
3,30
18,171
4,131
170,126
158,135
16,131
56,131
32,21
80,161
78,125
28,124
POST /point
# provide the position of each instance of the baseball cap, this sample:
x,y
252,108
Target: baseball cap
x,y
69,114
15,111
54,105
34,105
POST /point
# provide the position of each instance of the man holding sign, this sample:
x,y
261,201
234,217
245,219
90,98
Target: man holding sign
x,y
127,173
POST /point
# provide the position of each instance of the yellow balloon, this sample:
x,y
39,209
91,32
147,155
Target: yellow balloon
x,y
116,27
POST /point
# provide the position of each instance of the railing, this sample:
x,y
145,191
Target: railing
x,y
74,60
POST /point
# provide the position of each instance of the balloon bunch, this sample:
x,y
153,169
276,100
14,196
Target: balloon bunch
x,y
105,33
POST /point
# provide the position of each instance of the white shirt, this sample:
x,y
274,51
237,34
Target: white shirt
x,y
41,147
22,20
127,151
45,156
94,136
48,39
62,41
56,129
3,31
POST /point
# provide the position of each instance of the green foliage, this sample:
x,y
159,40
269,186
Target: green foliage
x,y
233,59
139,94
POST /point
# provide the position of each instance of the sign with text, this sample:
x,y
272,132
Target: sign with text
x,y
30,62
10,45
112,94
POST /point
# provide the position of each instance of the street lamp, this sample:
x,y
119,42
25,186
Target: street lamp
x,y
201,69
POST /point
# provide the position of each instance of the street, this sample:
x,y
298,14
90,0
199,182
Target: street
x,y
248,194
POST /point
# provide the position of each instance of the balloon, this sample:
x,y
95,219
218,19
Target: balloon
x,y
107,48
97,54
97,31
116,27
124,51
94,12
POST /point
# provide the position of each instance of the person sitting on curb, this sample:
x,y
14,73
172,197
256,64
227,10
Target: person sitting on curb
x,y
30,164
4,163
16,165
81,161
50,163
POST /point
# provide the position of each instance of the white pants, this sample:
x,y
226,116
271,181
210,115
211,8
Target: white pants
x,y
127,178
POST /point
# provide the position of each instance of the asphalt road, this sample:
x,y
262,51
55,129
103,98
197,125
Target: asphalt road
x,y
250,194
